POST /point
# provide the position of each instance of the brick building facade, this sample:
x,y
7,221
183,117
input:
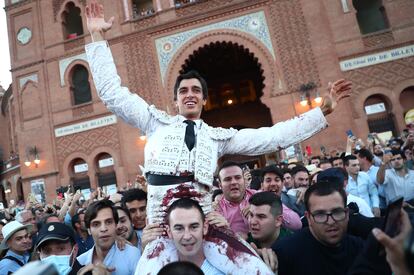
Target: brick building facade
x,y
261,59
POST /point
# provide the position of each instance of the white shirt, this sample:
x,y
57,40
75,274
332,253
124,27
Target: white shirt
x,y
395,186
124,261
363,206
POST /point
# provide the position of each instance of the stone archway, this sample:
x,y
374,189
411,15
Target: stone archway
x,y
272,77
235,85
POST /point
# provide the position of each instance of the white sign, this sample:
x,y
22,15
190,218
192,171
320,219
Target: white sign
x,y
375,108
79,168
85,126
106,162
38,189
377,58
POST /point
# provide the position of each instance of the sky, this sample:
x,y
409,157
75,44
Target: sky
x,y
5,75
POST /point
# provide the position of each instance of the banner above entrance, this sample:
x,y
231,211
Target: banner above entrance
x,y
85,126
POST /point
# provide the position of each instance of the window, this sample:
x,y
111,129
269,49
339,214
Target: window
x,y
142,8
371,15
71,21
80,85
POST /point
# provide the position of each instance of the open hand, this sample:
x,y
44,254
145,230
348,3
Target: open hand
x,y
95,20
338,90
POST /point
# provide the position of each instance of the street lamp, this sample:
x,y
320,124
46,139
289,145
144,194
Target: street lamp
x,y
32,152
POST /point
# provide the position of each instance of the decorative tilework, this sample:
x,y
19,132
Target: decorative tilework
x,y
254,24
64,63
24,80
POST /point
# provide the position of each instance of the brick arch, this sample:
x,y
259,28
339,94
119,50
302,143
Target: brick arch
x,y
65,176
265,59
68,70
105,149
359,101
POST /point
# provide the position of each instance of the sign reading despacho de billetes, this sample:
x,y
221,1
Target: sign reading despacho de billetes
x,y
377,58
85,126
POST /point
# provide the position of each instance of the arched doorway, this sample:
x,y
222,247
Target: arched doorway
x,y
235,83
78,171
105,171
380,117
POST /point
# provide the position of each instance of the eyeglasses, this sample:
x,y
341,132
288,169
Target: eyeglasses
x,y
337,215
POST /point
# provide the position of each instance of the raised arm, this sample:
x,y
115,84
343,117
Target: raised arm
x,y
284,134
118,99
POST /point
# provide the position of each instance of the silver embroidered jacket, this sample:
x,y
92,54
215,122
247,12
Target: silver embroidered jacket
x,y
165,146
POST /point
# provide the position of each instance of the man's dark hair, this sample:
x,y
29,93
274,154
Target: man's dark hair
x,y
299,168
180,268
184,203
348,158
287,171
268,198
228,164
125,210
398,152
335,158
97,206
189,75
135,194
323,161
365,153
75,220
323,189
271,169
315,157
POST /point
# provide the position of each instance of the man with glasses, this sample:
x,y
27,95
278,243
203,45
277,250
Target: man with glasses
x,y
324,247
398,180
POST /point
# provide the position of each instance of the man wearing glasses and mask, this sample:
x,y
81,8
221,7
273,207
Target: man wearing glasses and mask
x,y
324,247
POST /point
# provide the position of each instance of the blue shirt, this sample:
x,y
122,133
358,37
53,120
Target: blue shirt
x,y
7,265
124,261
364,188
372,173
209,269
84,245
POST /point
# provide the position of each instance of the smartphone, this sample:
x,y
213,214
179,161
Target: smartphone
x,y
349,133
392,223
245,167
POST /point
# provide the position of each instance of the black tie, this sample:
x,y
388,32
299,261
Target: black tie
x,y
189,134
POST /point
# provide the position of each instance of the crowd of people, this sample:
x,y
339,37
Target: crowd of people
x,y
345,212
326,212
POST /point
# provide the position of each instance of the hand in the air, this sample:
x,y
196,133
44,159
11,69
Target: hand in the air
x,y
338,90
95,20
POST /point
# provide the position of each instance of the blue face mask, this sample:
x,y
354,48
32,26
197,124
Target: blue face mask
x,y
61,262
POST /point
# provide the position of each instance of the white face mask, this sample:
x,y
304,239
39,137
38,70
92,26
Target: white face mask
x,y
61,262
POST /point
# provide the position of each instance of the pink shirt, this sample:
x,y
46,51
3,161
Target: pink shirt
x,y
232,212
239,224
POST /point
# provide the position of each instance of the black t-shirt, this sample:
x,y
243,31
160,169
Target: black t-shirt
x,y
301,254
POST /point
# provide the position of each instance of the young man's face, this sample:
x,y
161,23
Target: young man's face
x,y
262,224
102,228
397,162
232,183
338,163
187,230
20,242
288,181
138,211
124,226
301,179
190,100
331,231
28,218
273,183
353,167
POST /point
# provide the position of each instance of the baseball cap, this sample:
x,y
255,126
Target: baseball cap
x,y
55,231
